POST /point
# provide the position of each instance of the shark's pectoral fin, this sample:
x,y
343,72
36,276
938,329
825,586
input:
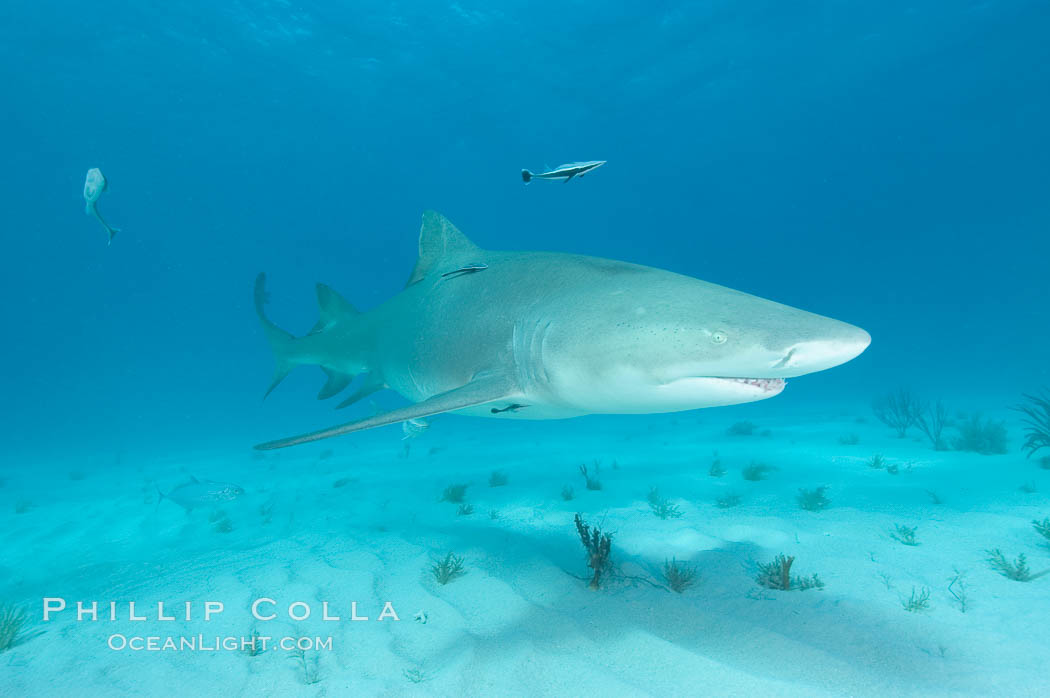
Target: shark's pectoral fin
x,y
336,383
481,390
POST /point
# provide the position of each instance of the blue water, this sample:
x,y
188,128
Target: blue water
x,y
885,165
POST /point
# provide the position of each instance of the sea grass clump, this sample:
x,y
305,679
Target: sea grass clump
x,y
756,471
1042,527
12,621
678,575
777,575
1017,570
917,602
662,506
987,437
448,569
813,500
593,482
454,493
598,546
1036,410
905,535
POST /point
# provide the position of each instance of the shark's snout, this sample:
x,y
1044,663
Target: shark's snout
x,y
820,354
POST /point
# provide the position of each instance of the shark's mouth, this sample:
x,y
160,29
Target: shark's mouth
x,y
766,385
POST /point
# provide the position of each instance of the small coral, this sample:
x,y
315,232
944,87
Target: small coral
x,y
1016,570
598,546
567,493
716,469
918,601
498,478
465,510
448,569
679,576
904,534
12,620
662,507
756,471
931,420
741,429
986,437
877,462
777,575
813,500
898,410
454,493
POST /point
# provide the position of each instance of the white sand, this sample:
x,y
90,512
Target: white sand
x,y
519,623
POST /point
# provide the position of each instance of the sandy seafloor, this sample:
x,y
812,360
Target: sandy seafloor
x,y
519,623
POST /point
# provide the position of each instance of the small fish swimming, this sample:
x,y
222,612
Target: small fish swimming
x,y
94,185
563,172
197,493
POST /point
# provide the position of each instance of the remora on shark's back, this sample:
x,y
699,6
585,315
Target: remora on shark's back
x,y
545,335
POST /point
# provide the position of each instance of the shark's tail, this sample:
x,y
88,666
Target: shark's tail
x,y
526,176
291,351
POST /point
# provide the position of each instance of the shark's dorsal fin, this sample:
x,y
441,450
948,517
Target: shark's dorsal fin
x,y
440,243
483,389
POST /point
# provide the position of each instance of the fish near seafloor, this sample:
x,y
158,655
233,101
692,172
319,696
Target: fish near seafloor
x,y
94,185
564,172
197,493
545,335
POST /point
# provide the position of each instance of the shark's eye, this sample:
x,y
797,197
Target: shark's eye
x,y
719,337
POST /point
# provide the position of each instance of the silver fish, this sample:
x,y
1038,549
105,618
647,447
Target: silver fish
x,y
197,493
563,172
94,184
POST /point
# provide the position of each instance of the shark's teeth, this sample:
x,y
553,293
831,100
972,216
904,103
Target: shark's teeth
x,y
766,384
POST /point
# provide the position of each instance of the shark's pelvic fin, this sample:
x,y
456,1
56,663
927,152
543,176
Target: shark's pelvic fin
x,y
373,384
481,390
440,245
336,383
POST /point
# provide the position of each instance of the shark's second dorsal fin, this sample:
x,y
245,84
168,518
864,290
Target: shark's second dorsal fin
x,y
440,245
331,307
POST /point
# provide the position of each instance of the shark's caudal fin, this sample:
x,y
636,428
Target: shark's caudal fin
x,y
290,351
481,390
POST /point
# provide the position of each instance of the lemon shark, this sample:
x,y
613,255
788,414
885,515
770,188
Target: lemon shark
x,y
547,335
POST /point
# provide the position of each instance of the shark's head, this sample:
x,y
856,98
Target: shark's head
x,y
644,340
